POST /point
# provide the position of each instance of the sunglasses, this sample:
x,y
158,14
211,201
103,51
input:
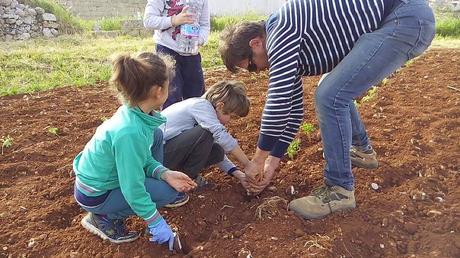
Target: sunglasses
x,y
252,67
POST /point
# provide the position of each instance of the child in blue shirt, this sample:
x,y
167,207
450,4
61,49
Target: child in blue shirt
x,y
196,136
116,174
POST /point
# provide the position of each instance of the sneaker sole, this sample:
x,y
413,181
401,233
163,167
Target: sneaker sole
x,y
175,205
91,228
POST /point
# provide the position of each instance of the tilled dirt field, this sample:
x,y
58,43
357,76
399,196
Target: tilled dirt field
x,y
413,121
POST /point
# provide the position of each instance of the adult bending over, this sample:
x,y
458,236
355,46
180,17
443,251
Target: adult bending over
x,y
359,43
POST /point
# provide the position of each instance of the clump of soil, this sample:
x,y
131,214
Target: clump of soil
x,y
414,124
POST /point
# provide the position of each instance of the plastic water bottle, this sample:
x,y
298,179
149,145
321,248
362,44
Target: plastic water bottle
x,y
190,33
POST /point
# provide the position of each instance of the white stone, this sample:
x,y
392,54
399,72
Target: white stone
x,y
24,36
20,12
28,20
49,17
19,22
39,10
5,2
47,33
8,37
54,32
375,186
32,11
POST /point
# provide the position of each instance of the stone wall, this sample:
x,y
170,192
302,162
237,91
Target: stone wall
x,y
92,9
21,22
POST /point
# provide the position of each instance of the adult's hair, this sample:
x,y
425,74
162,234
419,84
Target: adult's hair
x,y
232,94
134,76
234,42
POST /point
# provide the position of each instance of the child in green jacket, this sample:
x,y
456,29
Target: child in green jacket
x,y
119,172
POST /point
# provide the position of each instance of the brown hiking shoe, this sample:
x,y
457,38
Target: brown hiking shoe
x,y
323,201
363,159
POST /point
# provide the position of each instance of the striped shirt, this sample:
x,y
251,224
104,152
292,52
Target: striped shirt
x,y
308,37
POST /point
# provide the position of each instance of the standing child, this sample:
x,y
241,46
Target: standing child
x,y
167,17
195,133
116,175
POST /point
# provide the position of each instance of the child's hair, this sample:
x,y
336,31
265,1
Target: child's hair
x,y
232,94
134,76
234,42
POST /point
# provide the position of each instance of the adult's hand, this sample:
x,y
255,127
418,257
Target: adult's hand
x,y
178,180
183,18
255,169
270,167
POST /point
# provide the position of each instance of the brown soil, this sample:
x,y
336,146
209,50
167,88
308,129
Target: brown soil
x,y
414,123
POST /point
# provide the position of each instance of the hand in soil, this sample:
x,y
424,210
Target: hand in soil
x,y
242,177
178,180
253,171
271,164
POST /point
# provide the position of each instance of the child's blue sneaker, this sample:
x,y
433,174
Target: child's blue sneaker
x,y
113,230
181,199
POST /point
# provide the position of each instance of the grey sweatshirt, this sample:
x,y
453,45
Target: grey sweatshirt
x,y
185,115
158,14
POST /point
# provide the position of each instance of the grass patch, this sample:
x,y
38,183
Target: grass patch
x,y
448,27
77,60
68,23
218,23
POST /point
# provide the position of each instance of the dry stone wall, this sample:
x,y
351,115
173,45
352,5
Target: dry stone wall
x,y
22,22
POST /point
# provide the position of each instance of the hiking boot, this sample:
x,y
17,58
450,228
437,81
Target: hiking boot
x,y
113,230
323,201
181,199
363,159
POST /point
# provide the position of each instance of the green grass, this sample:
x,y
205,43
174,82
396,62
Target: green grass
x,y
77,60
448,26
219,23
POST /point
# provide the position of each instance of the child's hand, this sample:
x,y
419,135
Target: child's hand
x,y
183,18
242,177
178,180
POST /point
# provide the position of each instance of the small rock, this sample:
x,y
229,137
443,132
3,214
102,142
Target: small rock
x,y
382,246
49,17
272,188
5,248
385,222
439,199
375,186
274,238
299,233
410,227
31,243
39,10
291,190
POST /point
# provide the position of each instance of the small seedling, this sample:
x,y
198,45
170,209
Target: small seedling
x,y
6,142
53,131
103,119
371,94
293,148
307,128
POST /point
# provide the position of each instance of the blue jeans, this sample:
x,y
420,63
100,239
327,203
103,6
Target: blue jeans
x,y
404,34
188,81
161,193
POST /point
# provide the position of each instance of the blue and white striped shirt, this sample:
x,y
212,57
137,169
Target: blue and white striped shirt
x,y
308,37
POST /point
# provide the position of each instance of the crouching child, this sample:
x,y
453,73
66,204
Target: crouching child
x,y
195,132
116,174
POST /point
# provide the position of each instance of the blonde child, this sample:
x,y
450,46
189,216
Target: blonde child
x,y
196,136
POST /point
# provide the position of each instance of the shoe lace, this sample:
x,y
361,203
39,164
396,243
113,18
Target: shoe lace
x,y
120,227
323,193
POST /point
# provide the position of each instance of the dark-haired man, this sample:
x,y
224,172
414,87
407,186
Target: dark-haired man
x,y
359,43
